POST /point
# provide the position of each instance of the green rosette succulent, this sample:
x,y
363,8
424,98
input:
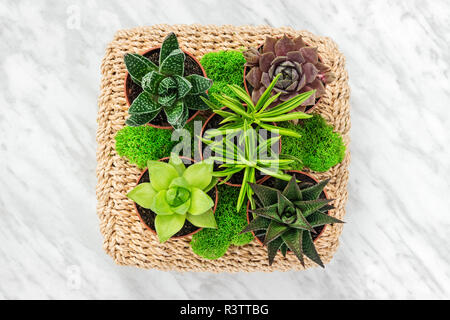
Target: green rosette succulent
x,y
287,216
165,87
176,193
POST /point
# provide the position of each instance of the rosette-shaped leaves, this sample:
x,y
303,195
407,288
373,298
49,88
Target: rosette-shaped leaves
x,y
287,218
176,193
165,87
297,64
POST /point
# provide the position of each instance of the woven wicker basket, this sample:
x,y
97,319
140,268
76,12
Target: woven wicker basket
x,y
125,238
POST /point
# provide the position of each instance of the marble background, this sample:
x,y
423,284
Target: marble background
x,y
396,242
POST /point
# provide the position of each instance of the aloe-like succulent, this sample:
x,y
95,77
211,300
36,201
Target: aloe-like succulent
x,y
296,63
165,87
287,217
257,113
176,193
248,156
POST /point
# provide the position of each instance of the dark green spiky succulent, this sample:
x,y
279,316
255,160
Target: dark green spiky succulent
x,y
165,86
287,218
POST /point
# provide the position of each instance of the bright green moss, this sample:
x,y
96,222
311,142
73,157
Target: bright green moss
x,y
140,144
214,243
224,67
319,148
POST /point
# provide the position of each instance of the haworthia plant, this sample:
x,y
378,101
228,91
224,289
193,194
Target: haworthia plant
x,y
287,216
165,87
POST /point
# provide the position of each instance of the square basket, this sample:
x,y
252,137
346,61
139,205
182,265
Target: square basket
x,y
126,240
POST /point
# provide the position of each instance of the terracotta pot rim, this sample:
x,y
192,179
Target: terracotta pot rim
x,y
306,111
201,153
126,87
154,231
308,175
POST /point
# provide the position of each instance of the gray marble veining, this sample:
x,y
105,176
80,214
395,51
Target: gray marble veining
x,y
396,242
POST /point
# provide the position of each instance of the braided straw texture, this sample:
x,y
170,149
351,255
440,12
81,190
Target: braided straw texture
x,y
125,238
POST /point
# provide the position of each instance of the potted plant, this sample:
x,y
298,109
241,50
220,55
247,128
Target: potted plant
x,y
164,85
298,64
174,200
290,216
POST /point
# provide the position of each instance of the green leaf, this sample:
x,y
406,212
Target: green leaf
x,y
289,105
173,64
266,195
269,102
138,66
200,202
160,205
317,219
161,174
301,222
167,226
144,104
236,107
243,191
151,81
309,249
293,239
279,130
210,104
199,84
274,230
286,117
259,223
269,212
205,220
292,190
136,120
174,112
177,163
276,174
309,206
182,208
211,185
199,175
313,192
272,249
169,44
267,93
196,102
239,92
183,86
283,202
143,195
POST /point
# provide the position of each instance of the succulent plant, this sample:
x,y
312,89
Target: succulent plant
x,y
249,156
287,217
165,87
296,63
176,193
256,113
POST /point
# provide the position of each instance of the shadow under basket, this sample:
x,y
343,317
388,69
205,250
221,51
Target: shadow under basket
x,y
126,240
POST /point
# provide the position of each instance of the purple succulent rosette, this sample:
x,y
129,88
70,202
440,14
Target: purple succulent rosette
x,y
299,65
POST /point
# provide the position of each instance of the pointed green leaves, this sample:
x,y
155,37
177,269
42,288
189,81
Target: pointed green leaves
x,y
205,220
174,113
173,64
169,44
183,87
199,175
319,219
200,202
199,84
161,174
196,102
259,223
293,239
136,120
292,190
272,249
144,103
313,192
266,195
138,66
309,206
309,249
168,225
143,195
274,230
178,164
151,81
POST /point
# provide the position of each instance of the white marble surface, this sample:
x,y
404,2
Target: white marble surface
x,y
396,242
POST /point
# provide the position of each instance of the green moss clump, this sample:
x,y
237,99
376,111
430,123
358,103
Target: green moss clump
x,y
319,148
214,243
140,144
224,67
